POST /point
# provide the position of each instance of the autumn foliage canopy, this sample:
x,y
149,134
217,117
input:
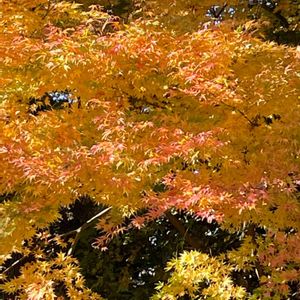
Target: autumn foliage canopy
x,y
110,107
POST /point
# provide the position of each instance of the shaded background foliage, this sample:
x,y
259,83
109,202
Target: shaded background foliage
x,y
135,260
280,17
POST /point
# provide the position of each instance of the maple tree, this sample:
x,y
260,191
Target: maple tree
x,y
181,108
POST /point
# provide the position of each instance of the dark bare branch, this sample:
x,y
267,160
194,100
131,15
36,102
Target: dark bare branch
x,y
192,241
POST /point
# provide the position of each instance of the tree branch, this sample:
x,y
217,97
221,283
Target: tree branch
x,y
251,232
283,21
81,228
71,250
192,241
216,11
252,123
16,263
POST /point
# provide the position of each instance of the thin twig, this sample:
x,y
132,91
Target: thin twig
x,y
217,13
82,227
14,264
253,124
71,250
49,8
251,233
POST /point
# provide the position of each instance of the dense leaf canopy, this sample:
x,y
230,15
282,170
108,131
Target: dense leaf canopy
x,y
155,114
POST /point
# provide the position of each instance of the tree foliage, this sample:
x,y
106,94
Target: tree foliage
x,y
181,107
